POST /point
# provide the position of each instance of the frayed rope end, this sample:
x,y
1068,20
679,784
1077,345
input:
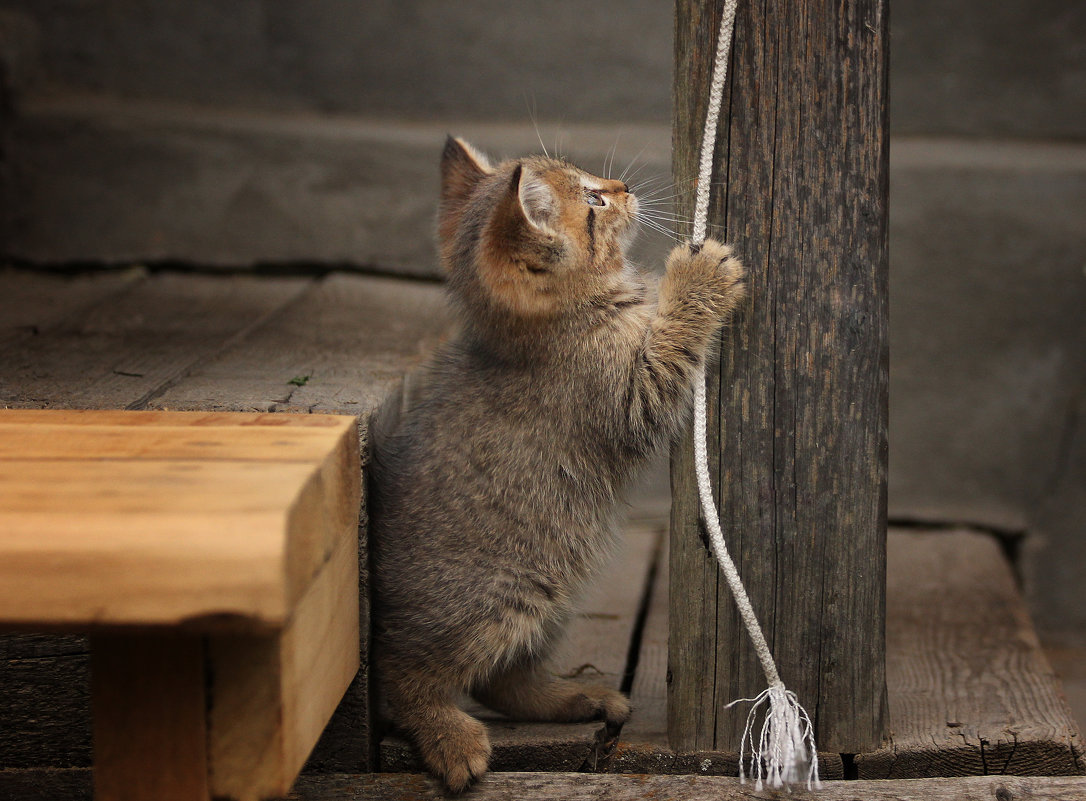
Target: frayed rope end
x,y
785,753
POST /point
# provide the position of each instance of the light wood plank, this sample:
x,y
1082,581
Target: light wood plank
x,y
970,689
150,732
47,441
272,695
117,532
587,787
120,487
191,575
196,479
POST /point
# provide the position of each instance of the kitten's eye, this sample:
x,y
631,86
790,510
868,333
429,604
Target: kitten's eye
x,y
594,198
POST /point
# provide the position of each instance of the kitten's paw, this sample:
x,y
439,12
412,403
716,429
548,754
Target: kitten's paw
x,y
595,702
713,266
459,757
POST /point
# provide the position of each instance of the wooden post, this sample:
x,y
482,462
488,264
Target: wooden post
x,y
798,401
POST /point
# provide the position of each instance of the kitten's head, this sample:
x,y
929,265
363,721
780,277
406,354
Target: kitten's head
x,y
533,237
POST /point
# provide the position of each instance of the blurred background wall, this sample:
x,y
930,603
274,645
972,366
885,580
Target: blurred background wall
x,y
267,134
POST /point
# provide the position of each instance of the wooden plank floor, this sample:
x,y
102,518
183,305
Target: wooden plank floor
x,y
133,339
970,691
74,785
597,787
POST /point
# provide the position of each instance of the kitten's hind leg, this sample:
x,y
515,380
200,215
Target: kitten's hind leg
x,y
529,692
452,743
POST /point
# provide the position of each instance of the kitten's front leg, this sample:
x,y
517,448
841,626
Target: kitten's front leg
x,y
454,745
701,288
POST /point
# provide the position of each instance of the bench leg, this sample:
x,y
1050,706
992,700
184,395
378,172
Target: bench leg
x,y
149,709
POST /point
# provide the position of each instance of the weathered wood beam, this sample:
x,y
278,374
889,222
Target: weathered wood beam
x,y
585,786
970,689
798,400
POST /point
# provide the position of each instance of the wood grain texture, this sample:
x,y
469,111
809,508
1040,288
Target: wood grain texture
x,y
174,436
32,304
47,784
121,534
350,337
272,695
970,689
586,787
119,519
74,785
209,343
798,401
150,728
643,747
44,701
124,352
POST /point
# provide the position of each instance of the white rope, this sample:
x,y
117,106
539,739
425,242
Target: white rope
x,y
712,118
785,750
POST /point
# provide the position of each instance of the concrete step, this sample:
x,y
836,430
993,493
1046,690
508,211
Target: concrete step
x,y
101,181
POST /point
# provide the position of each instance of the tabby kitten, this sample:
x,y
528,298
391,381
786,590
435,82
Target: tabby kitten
x,y
493,501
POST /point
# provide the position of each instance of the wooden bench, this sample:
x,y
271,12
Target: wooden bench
x,y
213,558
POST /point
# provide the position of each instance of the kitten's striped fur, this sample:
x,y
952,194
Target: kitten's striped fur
x,y
493,502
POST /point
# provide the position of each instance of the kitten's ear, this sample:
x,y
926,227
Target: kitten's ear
x,y
518,244
536,199
462,167
528,205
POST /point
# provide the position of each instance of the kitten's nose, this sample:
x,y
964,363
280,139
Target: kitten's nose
x,y
625,187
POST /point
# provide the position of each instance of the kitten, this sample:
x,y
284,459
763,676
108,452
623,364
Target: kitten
x,y
492,503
